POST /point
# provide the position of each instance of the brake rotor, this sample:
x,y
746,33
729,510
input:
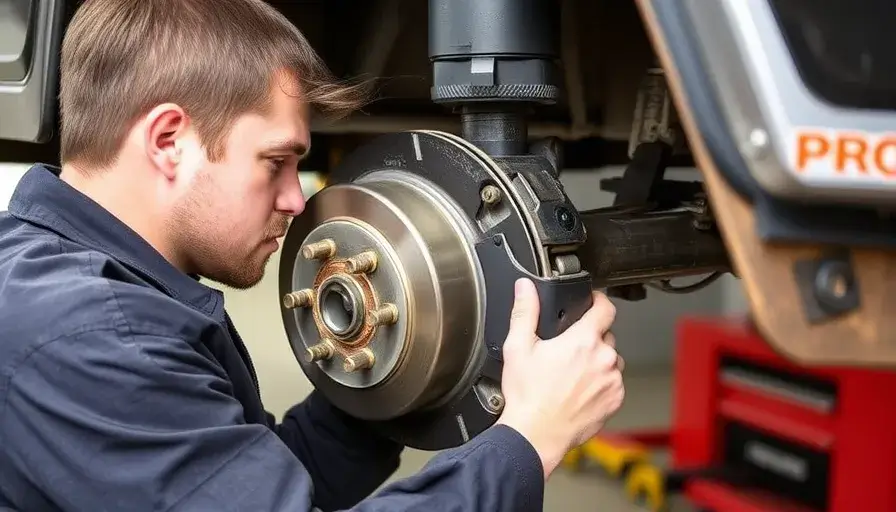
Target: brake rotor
x,y
384,294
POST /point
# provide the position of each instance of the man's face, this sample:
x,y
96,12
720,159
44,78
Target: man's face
x,y
229,220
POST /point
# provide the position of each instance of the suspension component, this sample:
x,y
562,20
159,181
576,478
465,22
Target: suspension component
x,y
654,115
418,234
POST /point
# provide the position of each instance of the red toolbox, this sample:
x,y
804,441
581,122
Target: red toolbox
x,y
758,433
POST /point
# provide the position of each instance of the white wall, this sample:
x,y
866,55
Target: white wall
x,y
9,177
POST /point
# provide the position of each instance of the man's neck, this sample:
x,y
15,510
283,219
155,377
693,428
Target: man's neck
x,y
125,197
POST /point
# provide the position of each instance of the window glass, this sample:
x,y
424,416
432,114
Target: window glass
x,y
844,51
15,16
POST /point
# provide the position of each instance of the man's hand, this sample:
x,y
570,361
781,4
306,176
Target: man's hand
x,y
559,392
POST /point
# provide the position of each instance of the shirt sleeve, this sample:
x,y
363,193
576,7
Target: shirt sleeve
x,y
139,422
346,460
498,470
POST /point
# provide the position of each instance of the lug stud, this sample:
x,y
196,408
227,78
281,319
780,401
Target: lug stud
x,y
360,360
319,352
362,263
383,315
298,299
321,250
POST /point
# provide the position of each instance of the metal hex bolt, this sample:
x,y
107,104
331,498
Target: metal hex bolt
x,y
321,351
360,360
383,315
323,249
833,280
362,263
301,298
490,195
839,286
496,401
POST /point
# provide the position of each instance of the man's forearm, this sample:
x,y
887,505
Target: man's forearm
x,y
345,459
497,471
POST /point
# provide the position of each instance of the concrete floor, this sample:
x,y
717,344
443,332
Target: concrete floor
x,y
647,405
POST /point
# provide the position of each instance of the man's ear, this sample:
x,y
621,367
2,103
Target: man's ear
x,y
165,125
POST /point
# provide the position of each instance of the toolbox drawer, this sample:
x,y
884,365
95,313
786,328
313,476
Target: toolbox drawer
x,y
788,469
807,391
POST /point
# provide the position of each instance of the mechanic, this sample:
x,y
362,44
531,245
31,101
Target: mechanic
x,y
123,383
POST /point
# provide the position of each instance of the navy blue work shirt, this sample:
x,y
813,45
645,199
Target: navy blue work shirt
x,y
124,386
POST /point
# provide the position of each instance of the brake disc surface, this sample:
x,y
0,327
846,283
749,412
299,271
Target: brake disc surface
x,y
384,297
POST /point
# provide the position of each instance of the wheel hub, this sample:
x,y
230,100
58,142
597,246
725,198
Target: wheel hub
x,y
391,309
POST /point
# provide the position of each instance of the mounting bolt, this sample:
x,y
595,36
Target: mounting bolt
x,y
496,401
383,315
323,350
834,281
490,195
362,263
321,250
301,298
757,144
839,286
360,360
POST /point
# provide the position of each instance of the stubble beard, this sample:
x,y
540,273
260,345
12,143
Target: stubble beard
x,y
246,276
234,266
211,254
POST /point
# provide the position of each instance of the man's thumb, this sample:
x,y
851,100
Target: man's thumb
x,y
524,316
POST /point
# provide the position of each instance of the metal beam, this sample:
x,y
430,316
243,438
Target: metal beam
x,y
360,124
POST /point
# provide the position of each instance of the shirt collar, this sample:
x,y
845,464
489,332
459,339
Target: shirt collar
x,y
43,199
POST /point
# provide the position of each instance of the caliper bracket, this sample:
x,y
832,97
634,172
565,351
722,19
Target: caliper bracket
x,y
563,299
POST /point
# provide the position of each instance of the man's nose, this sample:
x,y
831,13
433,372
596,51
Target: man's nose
x,y
291,199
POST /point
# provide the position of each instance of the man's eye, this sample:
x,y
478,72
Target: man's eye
x,y
275,164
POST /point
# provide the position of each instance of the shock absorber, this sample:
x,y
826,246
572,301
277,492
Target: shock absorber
x,y
492,61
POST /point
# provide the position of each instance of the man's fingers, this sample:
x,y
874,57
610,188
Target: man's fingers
x,y
605,312
599,317
606,358
610,339
524,316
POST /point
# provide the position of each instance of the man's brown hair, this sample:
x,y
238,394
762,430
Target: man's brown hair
x,y
214,58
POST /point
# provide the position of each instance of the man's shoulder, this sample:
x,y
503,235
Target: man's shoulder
x,y
51,287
